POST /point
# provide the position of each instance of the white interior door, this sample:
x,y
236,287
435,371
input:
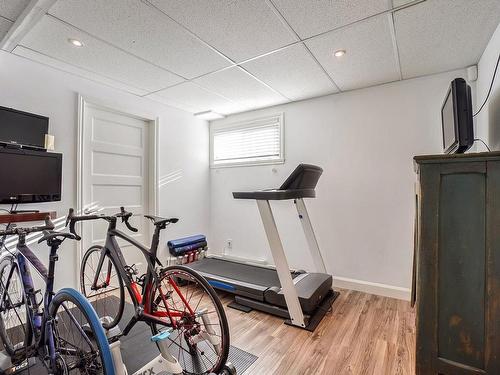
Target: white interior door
x,y
115,156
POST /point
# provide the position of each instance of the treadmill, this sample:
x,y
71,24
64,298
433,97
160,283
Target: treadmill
x,y
301,297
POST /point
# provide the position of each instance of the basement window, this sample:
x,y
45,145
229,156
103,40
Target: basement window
x,y
253,142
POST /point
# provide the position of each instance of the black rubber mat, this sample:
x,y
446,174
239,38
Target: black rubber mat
x,y
137,350
241,359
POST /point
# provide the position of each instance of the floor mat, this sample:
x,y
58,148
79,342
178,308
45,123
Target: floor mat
x,y
137,349
241,359
140,337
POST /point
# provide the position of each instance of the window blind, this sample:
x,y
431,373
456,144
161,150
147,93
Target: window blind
x,y
248,143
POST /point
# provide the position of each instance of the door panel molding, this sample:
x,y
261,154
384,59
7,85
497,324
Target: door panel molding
x,y
151,119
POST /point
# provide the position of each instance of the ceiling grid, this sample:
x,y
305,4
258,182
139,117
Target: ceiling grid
x,y
238,55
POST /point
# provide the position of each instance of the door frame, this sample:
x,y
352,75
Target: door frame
x,y
153,143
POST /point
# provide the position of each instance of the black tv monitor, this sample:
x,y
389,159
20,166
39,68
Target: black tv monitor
x,y
23,128
30,176
456,118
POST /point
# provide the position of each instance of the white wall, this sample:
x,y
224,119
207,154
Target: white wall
x,y
32,87
488,121
364,139
363,214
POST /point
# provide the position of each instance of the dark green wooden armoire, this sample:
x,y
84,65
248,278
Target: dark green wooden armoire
x,y
457,264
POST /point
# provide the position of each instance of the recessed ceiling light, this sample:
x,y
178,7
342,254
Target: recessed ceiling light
x,y
75,42
339,53
208,115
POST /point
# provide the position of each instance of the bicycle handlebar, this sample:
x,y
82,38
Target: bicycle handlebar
x,y
72,219
125,216
49,225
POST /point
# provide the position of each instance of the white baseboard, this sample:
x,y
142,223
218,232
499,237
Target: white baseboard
x,y
372,288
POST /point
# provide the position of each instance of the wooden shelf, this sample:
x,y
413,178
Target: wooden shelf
x,y
25,217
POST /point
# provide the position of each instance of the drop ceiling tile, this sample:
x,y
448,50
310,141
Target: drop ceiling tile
x,y
4,27
171,103
240,29
370,57
310,18
197,98
441,35
50,37
59,65
240,87
398,3
140,29
12,9
293,72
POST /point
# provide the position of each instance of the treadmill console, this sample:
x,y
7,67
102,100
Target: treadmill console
x,y
305,176
300,184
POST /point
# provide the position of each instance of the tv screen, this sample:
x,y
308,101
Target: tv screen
x,y
23,128
456,118
30,176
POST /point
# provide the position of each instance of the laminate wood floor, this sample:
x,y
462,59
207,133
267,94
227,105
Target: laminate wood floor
x,y
363,335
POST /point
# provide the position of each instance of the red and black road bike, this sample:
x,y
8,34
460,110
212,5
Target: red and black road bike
x,y
172,298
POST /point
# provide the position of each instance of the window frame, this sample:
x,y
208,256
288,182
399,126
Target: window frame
x,y
250,123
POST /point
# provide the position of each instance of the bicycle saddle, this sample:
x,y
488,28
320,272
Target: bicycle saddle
x,y
50,235
160,221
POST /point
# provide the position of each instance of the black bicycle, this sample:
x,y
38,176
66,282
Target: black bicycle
x,y
173,298
61,329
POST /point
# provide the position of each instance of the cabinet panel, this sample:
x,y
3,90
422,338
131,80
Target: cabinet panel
x,y
493,269
458,265
461,268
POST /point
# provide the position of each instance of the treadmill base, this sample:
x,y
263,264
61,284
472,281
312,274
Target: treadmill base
x,y
319,313
235,305
312,321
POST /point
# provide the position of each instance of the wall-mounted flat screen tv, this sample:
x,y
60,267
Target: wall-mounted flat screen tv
x,y
30,176
23,128
456,118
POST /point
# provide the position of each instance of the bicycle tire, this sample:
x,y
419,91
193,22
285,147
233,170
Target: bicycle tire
x,y
9,346
95,326
224,325
121,305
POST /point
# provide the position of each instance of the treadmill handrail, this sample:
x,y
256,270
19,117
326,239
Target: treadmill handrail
x,y
275,194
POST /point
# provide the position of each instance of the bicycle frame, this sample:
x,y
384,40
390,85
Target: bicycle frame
x,y
41,323
140,300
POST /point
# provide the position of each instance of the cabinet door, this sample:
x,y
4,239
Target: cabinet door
x,y
451,316
492,350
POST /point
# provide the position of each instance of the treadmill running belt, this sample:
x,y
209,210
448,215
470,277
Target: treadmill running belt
x,y
251,274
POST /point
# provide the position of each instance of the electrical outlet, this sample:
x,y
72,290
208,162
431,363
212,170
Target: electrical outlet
x,y
229,244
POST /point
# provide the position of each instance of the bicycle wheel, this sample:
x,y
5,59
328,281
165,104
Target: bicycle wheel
x,y
80,340
190,306
108,299
15,331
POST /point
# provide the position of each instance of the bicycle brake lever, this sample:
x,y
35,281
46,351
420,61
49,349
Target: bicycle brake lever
x,y
71,213
73,231
49,224
125,216
130,227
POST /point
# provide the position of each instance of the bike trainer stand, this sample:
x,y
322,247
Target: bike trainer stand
x,y
163,363
7,368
